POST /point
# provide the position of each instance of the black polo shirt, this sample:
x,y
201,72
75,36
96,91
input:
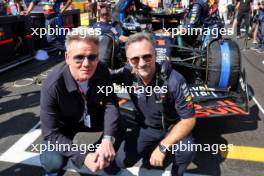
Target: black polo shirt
x,y
62,108
149,109
244,5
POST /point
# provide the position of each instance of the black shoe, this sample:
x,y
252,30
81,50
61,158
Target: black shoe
x,y
254,48
261,50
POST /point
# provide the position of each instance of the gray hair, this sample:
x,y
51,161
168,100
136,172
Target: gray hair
x,y
137,37
81,34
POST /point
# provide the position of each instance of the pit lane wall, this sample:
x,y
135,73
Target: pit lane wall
x,y
18,45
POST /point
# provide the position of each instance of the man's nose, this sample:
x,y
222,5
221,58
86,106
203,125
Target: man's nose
x,y
85,62
141,62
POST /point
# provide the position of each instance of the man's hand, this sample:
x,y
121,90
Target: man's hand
x,y
24,13
91,161
107,150
106,153
157,158
62,11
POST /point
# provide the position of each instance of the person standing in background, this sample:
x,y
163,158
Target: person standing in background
x,y
260,34
231,11
3,5
244,8
222,7
53,19
254,22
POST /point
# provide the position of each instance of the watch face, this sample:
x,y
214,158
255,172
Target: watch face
x,y
162,148
109,138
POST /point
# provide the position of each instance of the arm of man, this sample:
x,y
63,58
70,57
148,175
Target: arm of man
x,y
251,8
237,6
185,109
68,3
123,38
31,6
106,150
178,132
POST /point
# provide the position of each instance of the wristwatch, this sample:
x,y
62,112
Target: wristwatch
x,y
109,138
163,148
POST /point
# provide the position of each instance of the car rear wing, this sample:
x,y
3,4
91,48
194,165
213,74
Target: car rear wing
x,y
207,101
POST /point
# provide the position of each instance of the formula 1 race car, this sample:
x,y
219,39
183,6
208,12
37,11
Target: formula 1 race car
x,y
216,82
213,70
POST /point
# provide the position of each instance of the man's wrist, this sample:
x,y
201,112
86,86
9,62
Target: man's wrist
x,y
109,138
163,148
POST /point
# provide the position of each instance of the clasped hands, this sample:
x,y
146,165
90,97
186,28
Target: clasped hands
x,y
101,158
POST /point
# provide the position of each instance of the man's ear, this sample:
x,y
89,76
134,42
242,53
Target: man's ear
x,y
67,57
155,54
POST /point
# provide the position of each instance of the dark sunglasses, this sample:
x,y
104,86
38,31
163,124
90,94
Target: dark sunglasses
x,y
80,58
146,58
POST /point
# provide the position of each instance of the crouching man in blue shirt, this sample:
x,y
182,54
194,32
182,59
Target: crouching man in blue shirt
x,y
152,138
70,103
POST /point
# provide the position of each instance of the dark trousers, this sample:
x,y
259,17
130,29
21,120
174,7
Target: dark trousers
x,y
260,34
54,162
140,143
56,40
246,17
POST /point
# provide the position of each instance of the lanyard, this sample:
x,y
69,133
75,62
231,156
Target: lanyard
x,y
86,116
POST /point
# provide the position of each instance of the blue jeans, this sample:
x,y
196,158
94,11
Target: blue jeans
x,y
260,34
53,161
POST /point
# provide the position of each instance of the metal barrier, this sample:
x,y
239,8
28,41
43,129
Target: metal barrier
x,y
18,45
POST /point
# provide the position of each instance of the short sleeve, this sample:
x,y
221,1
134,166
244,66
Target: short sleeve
x,y
182,97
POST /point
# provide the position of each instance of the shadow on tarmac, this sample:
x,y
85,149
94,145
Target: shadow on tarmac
x,y
210,131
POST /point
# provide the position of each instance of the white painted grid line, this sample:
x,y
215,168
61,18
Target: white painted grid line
x,y
17,154
258,104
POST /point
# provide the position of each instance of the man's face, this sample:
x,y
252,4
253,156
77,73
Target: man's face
x,y
142,58
211,2
82,59
107,17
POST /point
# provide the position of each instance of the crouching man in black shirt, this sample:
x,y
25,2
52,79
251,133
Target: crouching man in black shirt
x,y
70,103
151,139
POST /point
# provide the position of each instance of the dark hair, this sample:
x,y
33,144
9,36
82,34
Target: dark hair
x,y
105,11
137,37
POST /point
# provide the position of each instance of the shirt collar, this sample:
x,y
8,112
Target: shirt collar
x,y
71,84
153,80
69,81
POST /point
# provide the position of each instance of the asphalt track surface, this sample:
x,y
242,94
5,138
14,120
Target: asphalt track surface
x,y
19,113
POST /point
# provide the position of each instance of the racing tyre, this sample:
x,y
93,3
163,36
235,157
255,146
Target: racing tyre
x,y
106,49
224,62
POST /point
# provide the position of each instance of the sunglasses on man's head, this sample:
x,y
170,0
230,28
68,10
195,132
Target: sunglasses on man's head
x,y
146,58
80,58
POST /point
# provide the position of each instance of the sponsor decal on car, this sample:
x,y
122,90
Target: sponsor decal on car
x,y
224,107
202,91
